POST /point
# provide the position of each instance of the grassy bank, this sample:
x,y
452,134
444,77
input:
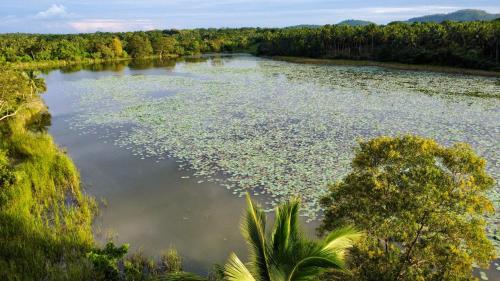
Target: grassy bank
x,y
391,65
44,216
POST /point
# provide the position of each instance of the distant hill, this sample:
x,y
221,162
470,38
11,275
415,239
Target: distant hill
x,y
355,22
460,15
305,26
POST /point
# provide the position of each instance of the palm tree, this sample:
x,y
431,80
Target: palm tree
x,y
285,254
37,84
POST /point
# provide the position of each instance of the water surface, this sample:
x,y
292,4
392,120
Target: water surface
x,y
172,146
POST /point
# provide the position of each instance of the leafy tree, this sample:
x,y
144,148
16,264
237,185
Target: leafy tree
x,y
117,47
285,254
422,206
14,93
139,46
164,45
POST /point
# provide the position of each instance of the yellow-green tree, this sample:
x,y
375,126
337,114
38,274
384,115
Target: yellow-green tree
x,y
117,47
422,205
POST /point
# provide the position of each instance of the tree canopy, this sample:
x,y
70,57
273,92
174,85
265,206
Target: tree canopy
x,y
422,206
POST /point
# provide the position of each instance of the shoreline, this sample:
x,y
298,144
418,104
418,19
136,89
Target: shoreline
x,y
291,59
389,65
62,63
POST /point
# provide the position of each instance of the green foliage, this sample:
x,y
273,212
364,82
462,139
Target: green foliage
x,y
422,206
181,276
13,95
163,45
45,219
105,261
285,254
110,263
139,46
171,261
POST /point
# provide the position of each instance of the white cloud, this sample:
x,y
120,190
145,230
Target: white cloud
x,y
92,25
55,11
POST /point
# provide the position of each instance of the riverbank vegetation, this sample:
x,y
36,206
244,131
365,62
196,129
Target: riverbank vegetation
x,y
45,217
459,44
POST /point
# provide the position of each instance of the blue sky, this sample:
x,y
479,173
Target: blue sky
x,y
64,16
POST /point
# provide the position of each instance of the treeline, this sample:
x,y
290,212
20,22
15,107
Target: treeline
x,y
462,44
76,47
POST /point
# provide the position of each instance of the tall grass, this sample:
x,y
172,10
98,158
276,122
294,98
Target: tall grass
x,y
45,219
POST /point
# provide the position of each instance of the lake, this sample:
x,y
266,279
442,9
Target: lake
x,y
169,148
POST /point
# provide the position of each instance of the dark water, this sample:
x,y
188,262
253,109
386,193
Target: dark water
x,y
147,203
150,204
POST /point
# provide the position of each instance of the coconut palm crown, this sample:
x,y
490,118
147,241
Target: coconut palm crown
x,y
285,254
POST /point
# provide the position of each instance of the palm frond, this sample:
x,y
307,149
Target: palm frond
x,y
235,270
287,255
341,239
254,230
286,228
314,265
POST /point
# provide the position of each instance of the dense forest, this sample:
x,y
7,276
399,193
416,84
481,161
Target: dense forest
x,y
468,44
77,47
465,44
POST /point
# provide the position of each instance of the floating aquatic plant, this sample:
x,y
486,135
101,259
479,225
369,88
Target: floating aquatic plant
x,y
279,129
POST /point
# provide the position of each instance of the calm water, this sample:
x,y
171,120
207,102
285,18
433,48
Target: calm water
x,y
147,204
234,119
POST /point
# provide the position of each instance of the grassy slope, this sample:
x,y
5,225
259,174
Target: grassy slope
x,y
45,219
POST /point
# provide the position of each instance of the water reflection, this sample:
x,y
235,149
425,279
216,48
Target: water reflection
x,y
140,64
150,204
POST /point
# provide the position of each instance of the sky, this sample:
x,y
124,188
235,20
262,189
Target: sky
x,y
77,16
